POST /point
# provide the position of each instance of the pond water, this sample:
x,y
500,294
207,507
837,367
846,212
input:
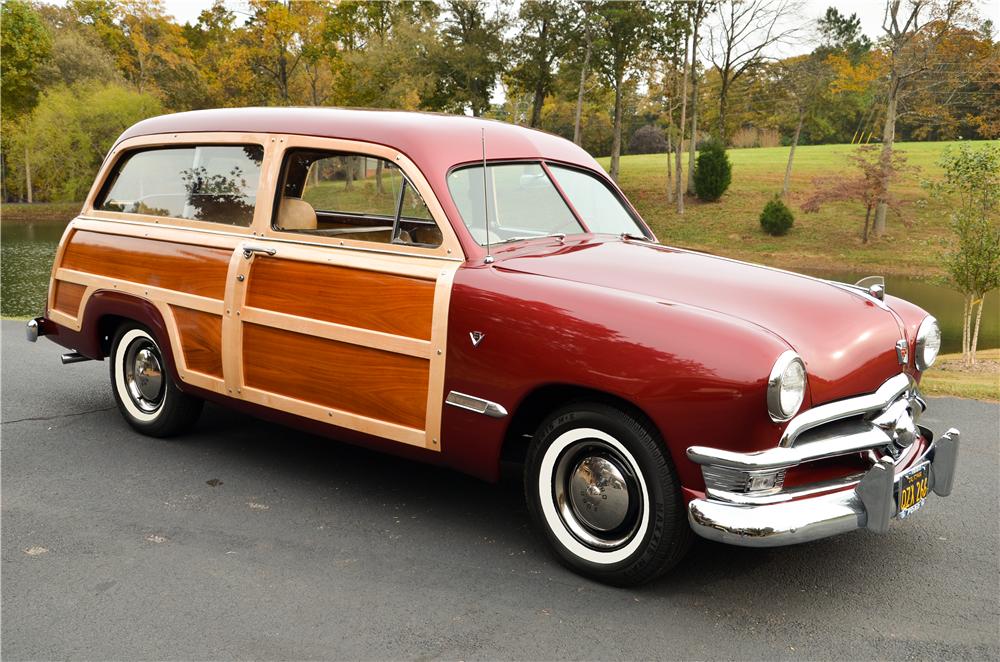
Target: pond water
x,y
28,249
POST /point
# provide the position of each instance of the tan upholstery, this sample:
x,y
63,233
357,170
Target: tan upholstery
x,y
296,214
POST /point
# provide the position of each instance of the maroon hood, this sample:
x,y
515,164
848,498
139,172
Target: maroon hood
x,y
846,339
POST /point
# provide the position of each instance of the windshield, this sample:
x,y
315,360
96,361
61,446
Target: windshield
x,y
522,202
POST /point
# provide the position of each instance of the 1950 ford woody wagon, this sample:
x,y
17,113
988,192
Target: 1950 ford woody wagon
x,y
467,292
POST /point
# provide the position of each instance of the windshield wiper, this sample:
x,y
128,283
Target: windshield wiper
x,y
559,235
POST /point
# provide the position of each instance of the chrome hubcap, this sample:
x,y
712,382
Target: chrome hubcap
x,y
597,495
144,375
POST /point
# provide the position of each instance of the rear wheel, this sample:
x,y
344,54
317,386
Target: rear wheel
x,y
146,394
599,484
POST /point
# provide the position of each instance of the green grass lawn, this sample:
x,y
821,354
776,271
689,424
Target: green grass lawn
x,y
828,239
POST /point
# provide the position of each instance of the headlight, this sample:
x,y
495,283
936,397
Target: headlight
x,y
786,387
928,343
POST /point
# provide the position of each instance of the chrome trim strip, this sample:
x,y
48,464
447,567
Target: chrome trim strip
x,y
870,505
776,458
478,405
811,418
786,495
243,235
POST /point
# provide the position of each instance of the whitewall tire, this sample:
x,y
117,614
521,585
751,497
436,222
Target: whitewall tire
x,y
145,392
600,485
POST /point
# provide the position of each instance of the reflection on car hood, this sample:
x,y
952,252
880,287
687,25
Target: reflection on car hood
x,y
846,339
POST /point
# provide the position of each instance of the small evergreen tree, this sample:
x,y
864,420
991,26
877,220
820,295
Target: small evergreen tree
x,y
776,219
713,172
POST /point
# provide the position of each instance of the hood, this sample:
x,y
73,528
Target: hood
x,y
846,339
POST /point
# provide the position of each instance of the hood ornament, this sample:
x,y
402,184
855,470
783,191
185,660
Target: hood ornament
x,y
477,337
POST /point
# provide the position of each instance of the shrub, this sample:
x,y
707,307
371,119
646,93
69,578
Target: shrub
x,y
776,219
712,172
647,140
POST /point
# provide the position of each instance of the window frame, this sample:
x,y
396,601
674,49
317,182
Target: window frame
x,y
545,163
450,246
168,141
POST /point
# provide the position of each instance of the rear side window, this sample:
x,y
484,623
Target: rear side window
x,y
215,183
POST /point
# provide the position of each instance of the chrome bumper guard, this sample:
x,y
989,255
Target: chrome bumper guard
x,y
871,504
34,329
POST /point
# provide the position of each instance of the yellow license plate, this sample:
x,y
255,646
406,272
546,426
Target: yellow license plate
x,y
911,489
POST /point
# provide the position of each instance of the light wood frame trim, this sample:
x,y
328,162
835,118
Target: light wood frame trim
x,y
265,186
450,246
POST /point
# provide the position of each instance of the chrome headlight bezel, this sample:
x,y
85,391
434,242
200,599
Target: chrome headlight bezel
x,y
783,372
928,341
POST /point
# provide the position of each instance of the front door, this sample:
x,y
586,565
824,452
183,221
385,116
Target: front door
x,y
341,306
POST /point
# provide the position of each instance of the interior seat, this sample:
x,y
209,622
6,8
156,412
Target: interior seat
x,y
296,214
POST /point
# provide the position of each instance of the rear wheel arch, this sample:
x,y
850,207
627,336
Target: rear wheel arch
x,y
105,312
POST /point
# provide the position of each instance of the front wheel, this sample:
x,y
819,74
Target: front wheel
x,y
600,485
146,394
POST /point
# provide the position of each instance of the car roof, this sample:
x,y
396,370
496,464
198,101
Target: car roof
x,y
433,141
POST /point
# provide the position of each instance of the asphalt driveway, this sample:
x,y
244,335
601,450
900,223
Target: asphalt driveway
x,y
249,540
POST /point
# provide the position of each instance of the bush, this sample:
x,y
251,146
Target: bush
x,y
776,219
647,140
712,172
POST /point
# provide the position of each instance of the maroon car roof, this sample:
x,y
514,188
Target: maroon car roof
x,y
433,141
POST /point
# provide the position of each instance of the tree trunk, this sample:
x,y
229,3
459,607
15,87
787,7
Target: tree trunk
x,y
888,136
692,146
791,155
680,139
348,173
723,108
27,174
670,157
975,334
536,107
577,135
616,139
864,234
966,316
378,177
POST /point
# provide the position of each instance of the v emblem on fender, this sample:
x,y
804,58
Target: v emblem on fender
x,y
477,337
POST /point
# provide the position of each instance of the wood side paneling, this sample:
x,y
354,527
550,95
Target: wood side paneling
x,y
201,340
370,382
195,270
400,305
67,297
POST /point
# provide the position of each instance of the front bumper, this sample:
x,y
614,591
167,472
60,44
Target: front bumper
x,y
871,504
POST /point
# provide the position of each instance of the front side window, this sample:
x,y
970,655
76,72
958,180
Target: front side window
x,y
214,183
520,202
352,196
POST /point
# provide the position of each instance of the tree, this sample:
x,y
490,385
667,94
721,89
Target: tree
x,y
542,35
622,32
973,177
842,34
469,57
699,10
908,56
582,39
803,80
647,139
864,188
25,45
737,42
714,172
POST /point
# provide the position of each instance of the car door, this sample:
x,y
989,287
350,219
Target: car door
x,y
341,304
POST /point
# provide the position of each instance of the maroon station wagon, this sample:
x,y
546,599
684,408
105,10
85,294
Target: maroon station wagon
x,y
466,292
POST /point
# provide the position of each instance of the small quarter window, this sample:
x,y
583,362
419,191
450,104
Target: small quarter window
x,y
215,183
352,196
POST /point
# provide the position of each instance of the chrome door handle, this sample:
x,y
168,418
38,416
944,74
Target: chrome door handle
x,y
248,251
